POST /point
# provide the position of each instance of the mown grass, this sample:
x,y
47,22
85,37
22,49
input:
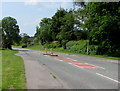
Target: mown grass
x,y
0,69
14,46
36,47
13,73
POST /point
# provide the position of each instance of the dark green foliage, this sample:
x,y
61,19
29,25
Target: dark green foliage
x,y
51,45
57,22
25,38
102,21
11,32
43,32
81,47
103,24
98,22
59,28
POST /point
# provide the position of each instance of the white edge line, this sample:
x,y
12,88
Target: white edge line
x,y
108,77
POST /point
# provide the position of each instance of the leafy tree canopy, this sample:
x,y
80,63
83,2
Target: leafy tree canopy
x,y
11,32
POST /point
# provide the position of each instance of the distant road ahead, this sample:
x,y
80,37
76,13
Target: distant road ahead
x,y
79,71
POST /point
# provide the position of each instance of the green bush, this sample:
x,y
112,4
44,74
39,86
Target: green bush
x,y
81,47
51,45
93,49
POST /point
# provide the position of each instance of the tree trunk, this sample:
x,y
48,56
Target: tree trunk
x,y
60,41
9,46
64,46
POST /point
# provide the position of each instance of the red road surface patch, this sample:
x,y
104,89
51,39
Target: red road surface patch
x,y
75,62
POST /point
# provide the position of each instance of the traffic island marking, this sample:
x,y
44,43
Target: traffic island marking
x,y
75,62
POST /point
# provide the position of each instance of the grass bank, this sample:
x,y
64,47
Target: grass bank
x,y
13,73
40,47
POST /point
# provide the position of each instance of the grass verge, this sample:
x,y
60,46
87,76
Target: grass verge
x,y
40,47
13,74
0,69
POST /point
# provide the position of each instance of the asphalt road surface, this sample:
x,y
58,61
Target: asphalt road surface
x,y
79,71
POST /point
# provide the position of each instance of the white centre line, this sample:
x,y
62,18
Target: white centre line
x,y
108,77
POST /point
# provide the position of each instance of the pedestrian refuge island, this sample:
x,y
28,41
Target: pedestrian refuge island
x,y
49,52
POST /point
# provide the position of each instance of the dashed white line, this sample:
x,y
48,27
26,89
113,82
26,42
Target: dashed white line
x,y
108,77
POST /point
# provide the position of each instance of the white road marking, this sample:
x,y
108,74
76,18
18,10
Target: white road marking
x,y
88,63
75,60
69,58
75,65
78,66
95,65
60,60
72,59
108,77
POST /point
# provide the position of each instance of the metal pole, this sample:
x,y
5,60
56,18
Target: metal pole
x,y
88,43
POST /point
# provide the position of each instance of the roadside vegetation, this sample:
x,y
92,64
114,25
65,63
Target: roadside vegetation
x,y
13,72
76,47
91,29
0,69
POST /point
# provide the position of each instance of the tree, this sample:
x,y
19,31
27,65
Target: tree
x,y
104,22
1,35
24,38
67,32
43,32
57,22
59,28
11,32
63,26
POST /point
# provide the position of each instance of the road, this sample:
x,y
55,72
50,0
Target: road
x,y
79,71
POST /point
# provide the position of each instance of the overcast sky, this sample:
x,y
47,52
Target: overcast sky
x,y
29,13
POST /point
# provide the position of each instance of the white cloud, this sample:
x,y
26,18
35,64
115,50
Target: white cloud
x,y
0,10
53,5
64,4
31,2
